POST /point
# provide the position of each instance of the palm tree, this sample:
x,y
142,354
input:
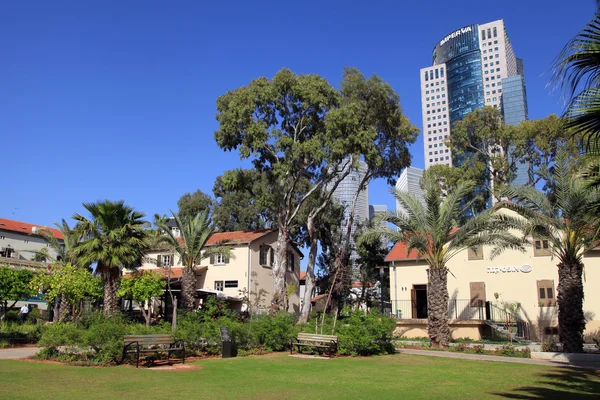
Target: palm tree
x,y
565,218
432,230
63,248
577,70
190,247
114,237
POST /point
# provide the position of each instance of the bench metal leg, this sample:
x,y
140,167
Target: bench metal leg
x,y
137,359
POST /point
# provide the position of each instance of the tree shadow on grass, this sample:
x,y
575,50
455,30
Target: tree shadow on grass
x,y
560,383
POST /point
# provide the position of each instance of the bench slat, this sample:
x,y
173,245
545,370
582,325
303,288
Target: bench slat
x,y
312,336
144,341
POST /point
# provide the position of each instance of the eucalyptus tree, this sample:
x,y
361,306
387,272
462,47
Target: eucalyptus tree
x,y
299,128
191,246
566,218
114,236
432,230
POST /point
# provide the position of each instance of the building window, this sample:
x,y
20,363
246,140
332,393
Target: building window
x,y
290,261
219,285
495,32
475,253
482,35
546,297
219,259
426,77
489,32
541,248
264,255
231,284
166,259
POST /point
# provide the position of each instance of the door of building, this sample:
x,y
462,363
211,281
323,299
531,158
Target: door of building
x,y
418,296
477,294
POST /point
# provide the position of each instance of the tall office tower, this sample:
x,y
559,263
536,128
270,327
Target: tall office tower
x,y
344,194
375,209
514,109
410,182
467,73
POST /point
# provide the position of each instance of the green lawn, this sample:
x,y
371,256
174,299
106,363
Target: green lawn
x,y
279,376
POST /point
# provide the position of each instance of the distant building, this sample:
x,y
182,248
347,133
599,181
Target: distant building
x,y
375,209
514,109
345,193
20,240
469,66
410,182
18,243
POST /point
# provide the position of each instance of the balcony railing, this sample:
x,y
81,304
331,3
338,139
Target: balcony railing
x,y
16,262
460,309
466,310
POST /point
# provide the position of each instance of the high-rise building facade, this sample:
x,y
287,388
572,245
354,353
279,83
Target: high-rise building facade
x,y
376,209
468,70
410,182
344,194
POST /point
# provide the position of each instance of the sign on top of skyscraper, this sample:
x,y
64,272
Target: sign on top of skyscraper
x,y
468,68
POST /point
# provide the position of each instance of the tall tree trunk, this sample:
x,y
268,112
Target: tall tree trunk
x,y
309,283
188,288
111,278
571,321
280,267
437,307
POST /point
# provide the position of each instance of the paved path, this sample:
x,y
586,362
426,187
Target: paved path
x,y
17,353
482,357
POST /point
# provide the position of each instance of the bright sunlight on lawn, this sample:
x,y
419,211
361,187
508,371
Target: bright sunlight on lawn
x,y
279,376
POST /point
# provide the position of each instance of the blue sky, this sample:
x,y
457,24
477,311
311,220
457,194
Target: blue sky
x,y
116,99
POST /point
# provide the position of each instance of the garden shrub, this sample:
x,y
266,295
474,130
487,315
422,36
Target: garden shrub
x,y
549,345
273,332
361,333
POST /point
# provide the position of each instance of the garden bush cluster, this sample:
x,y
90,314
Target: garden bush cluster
x,y
97,339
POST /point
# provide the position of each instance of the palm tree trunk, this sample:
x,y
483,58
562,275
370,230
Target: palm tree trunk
x,y
111,278
571,321
188,288
63,309
437,307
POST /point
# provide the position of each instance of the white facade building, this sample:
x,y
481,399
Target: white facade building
x,y
410,182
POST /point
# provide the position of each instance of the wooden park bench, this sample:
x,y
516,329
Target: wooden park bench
x,y
140,344
328,342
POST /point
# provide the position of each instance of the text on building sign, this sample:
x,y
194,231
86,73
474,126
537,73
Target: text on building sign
x,y
455,34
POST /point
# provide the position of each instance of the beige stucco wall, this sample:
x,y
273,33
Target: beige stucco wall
x,y
262,276
418,329
511,286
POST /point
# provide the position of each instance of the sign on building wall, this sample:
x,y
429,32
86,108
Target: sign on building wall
x,y
525,268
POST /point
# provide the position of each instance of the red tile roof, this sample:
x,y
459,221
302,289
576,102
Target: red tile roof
x,y
241,237
302,275
176,272
25,228
399,252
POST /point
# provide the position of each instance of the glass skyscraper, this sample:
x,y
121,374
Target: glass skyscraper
x,y
472,67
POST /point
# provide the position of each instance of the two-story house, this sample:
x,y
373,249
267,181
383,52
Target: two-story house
x,y
20,240
247,273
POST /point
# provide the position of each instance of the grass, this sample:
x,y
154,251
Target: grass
x,y
278,376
